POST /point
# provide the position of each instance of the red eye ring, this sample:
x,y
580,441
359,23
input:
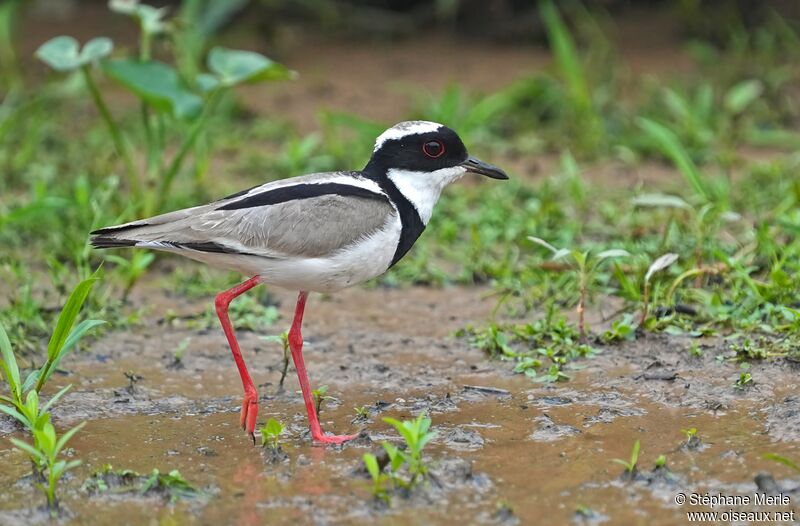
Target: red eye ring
x,y
433,149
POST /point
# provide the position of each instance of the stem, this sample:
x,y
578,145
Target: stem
x,y
194,132
116,134
581,306
646,306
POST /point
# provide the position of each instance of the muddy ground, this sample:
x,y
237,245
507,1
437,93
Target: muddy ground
x,y
517,452
526,453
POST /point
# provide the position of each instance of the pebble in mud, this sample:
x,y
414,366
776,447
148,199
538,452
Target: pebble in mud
x,y
463,439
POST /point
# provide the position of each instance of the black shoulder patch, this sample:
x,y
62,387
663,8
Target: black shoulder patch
x,y
302,191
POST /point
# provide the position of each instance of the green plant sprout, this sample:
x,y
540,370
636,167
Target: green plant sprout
x,y
63,339
164,97
379,478
586,265
416,435
171,484
661,263
361,414
630,465
319,397
283,339
783,460
270,434
745,379
690,433
46,449
661,461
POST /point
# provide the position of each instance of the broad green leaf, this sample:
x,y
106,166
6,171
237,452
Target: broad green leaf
x,y
660,200
206,82
9,364
273,427
157,84
150,18
660,264
740,96
62,53
234,67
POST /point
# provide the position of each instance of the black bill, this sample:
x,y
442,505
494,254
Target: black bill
x,y
479,167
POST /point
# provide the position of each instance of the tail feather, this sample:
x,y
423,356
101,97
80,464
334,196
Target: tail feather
x,y
99,241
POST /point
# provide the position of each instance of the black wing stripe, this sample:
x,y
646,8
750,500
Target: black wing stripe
x,y
302,191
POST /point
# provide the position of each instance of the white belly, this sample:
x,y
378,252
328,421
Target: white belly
x,y
356,264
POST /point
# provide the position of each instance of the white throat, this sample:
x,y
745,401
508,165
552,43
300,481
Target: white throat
x,y
422,189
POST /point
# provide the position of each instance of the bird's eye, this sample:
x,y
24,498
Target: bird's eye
x,y
433,149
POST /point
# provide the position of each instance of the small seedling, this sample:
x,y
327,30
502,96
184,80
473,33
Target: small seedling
x,y
379,478
362,414
630,465
172,485
744,381
319,397
658,265
283,339
695,350
270,434
46,449
180,352
416,435
661,461
586,265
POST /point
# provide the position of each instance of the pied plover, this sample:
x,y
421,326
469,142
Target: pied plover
x,y
319,232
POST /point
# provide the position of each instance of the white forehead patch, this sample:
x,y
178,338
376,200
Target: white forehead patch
x,y
398,131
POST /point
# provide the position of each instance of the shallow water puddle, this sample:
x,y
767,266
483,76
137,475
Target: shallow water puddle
x,y
543,455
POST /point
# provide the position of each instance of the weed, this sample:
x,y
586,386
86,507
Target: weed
x,y
379,479
661,462
783,460
661,263
46,450
745,379
631,464
283,339
361,414
586,265
172,485
416,435
319,395
270,434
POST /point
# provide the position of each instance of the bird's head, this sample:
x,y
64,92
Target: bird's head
x,y
429,148
420,158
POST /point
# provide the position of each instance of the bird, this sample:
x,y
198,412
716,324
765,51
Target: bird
x,y
320,232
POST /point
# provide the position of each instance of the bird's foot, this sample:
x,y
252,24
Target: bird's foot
x,y
331,439
247,419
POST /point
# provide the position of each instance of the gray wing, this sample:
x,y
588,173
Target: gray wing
x,y
310,227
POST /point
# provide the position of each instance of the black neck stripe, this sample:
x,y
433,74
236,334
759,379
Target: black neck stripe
x,y
412,225
301,191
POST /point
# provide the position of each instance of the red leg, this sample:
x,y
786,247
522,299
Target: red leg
x,y
249,413
296,345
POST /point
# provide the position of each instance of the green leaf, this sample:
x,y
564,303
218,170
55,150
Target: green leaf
x,y
9,364
783,460
670,146
371,463
740,96
273,427
62,53
156,83
545,244
13,413
660,264
67,436
234,67
206,82
151,19
66,319
54,398
27,448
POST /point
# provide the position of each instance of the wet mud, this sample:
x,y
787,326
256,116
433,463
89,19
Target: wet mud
x,y
507,451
